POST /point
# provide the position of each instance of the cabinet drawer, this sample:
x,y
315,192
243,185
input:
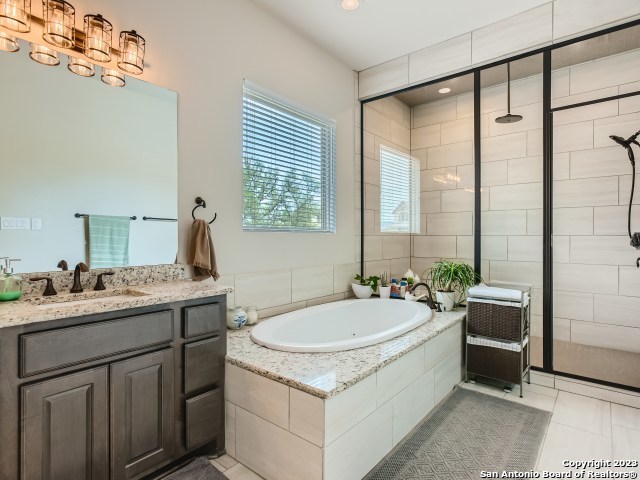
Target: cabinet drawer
x,y
54,349
203,365
203,320
204,418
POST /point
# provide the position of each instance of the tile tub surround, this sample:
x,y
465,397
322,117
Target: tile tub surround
x,y
325,375
24,311
142,275
291,415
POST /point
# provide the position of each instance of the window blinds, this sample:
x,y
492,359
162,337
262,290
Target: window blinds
x,y
288,167
399,192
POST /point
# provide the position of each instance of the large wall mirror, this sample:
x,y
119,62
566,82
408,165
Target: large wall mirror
x,y
72,145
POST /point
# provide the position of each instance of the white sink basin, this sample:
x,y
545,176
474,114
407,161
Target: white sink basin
x,y
74,299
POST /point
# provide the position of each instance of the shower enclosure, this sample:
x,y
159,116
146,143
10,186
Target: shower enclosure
x,y
518,176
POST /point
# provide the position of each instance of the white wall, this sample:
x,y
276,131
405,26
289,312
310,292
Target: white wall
x,y
206,60
203,51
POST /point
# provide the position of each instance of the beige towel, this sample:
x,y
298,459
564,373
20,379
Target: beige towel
x,y
201,253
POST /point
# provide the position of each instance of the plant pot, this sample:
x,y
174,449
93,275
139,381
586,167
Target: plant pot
x,y
362,291
385,292
447,299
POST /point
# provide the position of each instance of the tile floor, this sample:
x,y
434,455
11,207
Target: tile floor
x,y
581,428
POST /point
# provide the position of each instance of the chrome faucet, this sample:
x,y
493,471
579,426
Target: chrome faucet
x,y
77,286
430,303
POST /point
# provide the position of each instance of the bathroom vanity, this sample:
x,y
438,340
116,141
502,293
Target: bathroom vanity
x,y
112,388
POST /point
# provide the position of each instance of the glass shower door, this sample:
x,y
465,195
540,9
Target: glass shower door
x,y
596,295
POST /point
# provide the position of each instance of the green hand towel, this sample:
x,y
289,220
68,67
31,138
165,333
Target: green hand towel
x,y
108,241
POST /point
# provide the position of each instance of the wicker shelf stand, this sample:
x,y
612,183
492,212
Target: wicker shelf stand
x,y
497,339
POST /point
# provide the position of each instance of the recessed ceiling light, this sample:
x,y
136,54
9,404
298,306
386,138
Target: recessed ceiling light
x,y
350,4
444,90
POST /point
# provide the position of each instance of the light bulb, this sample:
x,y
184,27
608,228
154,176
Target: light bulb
x,y
350,4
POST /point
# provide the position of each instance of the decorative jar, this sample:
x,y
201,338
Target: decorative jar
x,y
236,318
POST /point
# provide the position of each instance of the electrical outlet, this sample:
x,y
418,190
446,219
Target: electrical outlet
x,y
14,223
36,224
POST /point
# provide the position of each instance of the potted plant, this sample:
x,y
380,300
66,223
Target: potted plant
x,y
385,288
451,281
365,286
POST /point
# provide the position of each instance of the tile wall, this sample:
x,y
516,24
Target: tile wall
x,y
551,22
442,138
386,122
597,286
596,282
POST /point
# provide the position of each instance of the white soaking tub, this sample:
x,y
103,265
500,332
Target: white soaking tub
x,y
339,326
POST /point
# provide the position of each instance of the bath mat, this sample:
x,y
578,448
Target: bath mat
x,y
470,432
199,469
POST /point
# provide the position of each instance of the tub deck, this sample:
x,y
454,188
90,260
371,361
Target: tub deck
x,y
325,375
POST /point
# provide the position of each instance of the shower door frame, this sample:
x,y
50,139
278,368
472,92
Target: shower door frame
x,y
547,133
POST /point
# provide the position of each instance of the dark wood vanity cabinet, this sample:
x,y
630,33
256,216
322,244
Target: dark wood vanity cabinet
x,y
119,395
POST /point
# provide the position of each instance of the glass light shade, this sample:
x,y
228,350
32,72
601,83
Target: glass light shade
x,y
113,78
97,38
350,4
44,55
132,48
81,67
59,23
8,43
16,15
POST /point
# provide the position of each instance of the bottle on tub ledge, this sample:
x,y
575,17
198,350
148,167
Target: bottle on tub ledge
x,y
395,289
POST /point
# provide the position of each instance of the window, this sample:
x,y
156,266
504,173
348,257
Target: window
x,y
399,192
288,167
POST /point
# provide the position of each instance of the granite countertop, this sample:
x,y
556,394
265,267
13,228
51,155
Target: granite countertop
x,y
327,374
36,309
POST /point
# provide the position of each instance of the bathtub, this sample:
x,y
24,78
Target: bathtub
x,y
339,326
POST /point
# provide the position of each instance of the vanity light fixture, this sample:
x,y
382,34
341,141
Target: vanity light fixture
x,y
113,78
132,48
16,15
44,55
444,90
350,4
97,38
8,43
81,67
59,19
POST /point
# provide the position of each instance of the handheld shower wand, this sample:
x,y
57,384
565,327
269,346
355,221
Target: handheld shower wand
x,y
628,145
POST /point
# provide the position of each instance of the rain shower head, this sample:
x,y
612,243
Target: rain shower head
x,y
509,117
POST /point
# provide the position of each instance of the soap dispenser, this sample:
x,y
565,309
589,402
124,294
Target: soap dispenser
x,y
10,284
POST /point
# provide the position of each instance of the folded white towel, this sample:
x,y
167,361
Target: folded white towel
x,y
485,291
485,342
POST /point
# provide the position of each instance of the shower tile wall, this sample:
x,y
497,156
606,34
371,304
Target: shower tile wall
x,y
442,138
597,286
386,122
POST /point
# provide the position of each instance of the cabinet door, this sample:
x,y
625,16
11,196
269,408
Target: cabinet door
x,y
142,414
64,433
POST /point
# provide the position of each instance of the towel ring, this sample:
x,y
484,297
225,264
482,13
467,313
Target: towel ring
x,y
201,203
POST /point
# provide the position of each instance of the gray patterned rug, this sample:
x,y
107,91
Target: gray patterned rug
x,y
468,433
199,469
